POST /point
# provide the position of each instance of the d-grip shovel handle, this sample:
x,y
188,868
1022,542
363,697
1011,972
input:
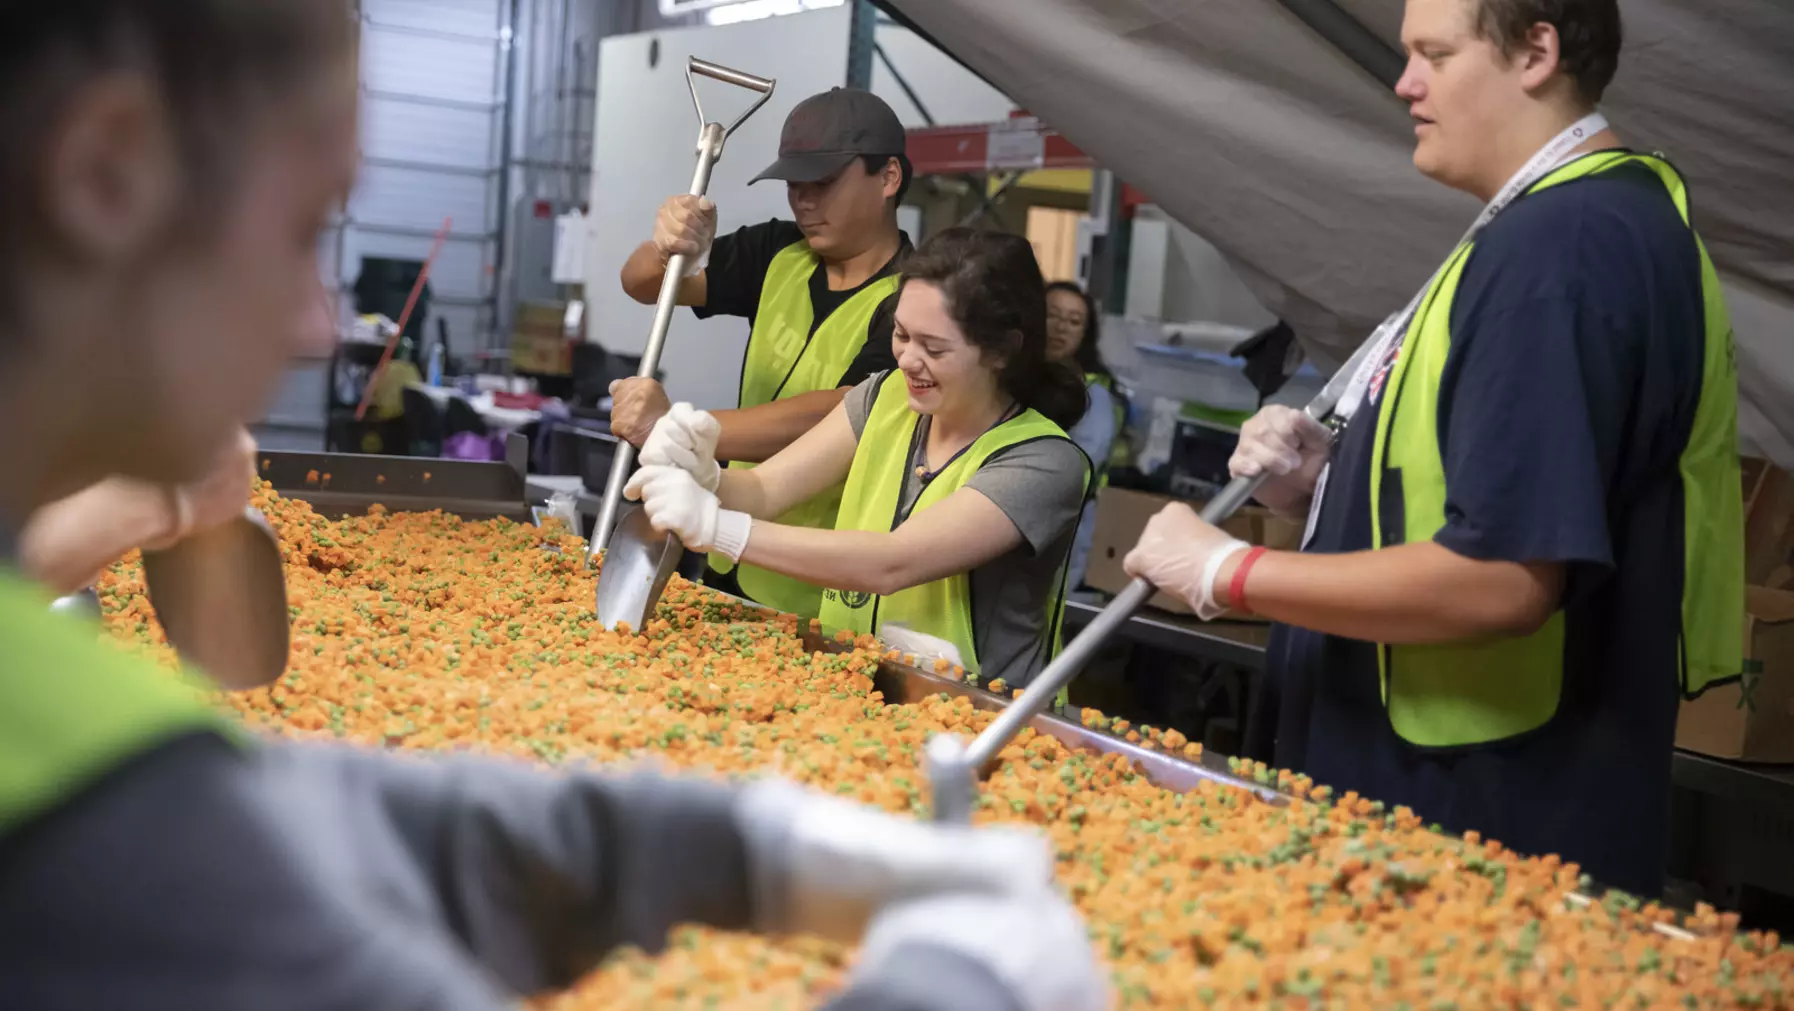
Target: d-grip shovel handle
x,y
717,72
710,148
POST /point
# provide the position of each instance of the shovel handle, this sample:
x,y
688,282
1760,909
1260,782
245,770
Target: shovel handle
x,y
710,148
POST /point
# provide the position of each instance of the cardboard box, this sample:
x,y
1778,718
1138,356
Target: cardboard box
x,y
538,342
1751,719
1768,525
1121,515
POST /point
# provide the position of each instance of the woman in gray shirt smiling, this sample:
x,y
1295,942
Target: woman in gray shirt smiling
x,y
961,490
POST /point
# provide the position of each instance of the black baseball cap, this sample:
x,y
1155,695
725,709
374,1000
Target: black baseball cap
x,y
827,131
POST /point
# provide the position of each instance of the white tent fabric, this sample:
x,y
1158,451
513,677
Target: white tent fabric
x,y
1250,128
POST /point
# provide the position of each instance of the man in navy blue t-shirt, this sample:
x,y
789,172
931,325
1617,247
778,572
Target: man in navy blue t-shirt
x,y
1525,543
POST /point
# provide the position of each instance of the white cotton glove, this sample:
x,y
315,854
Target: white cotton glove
x,y
1034,944
685,226
685,437
1182,554
1289,448
826,866
678,505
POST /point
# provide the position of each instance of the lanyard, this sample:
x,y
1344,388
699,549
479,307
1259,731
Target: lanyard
x,y
919,443
1387,337
1386,340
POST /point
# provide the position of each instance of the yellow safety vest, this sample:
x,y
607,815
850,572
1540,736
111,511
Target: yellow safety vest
x,y
942,608
784,359
1477,692
73,709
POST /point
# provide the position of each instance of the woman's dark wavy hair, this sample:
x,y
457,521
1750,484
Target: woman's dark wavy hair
x,y
995,293
1089,359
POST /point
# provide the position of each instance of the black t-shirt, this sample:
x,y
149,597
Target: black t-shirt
x,y
1566,401
737,272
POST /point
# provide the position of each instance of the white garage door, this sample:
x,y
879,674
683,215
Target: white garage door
x,y
431,120
430,137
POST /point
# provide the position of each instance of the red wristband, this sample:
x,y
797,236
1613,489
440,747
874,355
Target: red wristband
x,y
1236,588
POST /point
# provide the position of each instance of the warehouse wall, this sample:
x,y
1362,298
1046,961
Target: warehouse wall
x,y
1178,276
951,93
646,133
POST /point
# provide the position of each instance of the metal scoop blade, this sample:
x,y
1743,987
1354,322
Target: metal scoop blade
x,y
637,565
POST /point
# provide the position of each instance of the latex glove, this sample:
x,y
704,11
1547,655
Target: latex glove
x,y
636,406
214,500
685,438
686,225
1034,944
826,866
1287,446
1182,554
678,505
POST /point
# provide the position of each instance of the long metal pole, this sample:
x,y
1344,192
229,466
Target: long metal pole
x,y
710,147
953,775
953,768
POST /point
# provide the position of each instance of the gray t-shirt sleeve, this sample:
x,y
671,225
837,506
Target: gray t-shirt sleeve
x,y
1039,485
860,399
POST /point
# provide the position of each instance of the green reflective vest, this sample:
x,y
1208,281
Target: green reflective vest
x,y
1476,692
942,608
785,359
73,708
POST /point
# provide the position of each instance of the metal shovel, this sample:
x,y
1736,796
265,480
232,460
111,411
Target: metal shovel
x,y
636,568
953,767
221,597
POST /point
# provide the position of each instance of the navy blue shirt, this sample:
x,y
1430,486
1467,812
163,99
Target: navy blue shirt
x,y
1566,400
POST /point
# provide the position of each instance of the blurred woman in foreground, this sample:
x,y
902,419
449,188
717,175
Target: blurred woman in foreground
x,y
168,168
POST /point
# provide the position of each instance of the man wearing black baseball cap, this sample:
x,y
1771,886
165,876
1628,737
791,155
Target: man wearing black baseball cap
x,y
818,292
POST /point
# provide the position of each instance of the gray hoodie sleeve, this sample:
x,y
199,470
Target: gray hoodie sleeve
x,y
536,875
200,878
